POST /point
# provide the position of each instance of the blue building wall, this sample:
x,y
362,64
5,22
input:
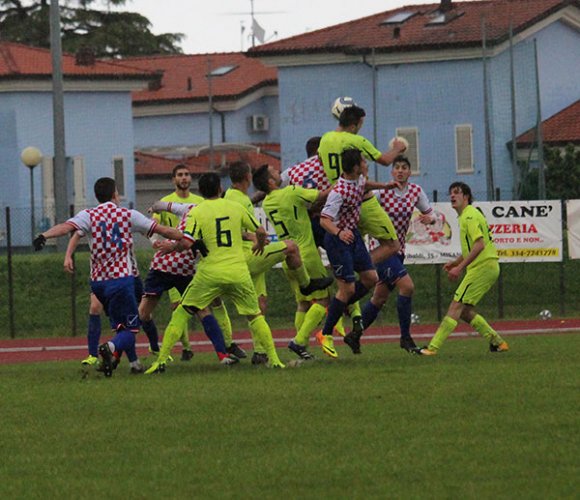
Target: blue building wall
x,y
193,129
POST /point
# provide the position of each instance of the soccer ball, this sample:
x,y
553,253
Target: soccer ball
x,y
339,104
545,314
415,319
401,139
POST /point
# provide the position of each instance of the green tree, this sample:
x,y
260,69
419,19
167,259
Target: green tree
x,y
106,32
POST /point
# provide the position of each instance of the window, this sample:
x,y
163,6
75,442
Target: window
x,y
119,174
464,149
399,17
412,136
441,18
79,185
222,70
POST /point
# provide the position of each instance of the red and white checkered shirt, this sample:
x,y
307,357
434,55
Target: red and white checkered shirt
x,y
180,263
344,201
308,174
400,206
110,229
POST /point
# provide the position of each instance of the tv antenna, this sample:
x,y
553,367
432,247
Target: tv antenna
x,y
257,32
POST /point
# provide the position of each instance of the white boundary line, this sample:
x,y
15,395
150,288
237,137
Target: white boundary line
x,y
283,340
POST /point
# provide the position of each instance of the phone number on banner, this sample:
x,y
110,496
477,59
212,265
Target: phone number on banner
x,y
528,252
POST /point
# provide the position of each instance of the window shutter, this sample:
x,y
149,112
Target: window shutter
x,y
464,149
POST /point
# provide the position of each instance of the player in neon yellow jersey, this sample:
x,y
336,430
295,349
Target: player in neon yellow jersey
x,y
281,251
479,259
287,210
373,219
181,178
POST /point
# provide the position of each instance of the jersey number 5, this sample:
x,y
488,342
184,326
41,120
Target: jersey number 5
x,y
223,236
282,227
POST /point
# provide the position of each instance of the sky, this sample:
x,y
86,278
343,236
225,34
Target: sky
x,y
216,26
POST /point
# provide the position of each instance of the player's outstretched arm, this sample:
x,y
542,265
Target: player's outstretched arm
x,y
388,156
168,232
53,232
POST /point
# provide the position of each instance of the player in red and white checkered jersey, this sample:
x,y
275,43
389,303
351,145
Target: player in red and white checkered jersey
x,y
110,229
399,205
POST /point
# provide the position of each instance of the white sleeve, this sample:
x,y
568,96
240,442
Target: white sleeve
x,y
332,206
377,194
141,224
180,208
285,178
423,203
81,222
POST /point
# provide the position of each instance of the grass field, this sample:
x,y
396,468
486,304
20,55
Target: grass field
x,y
467,424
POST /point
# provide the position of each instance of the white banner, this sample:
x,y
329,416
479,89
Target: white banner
x,y
524,231
573,210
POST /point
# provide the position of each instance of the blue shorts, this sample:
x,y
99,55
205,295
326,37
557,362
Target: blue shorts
x,y
118,299
391,270
158,282
347,258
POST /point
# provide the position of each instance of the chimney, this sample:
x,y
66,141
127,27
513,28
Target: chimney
x,y
85,56
445,6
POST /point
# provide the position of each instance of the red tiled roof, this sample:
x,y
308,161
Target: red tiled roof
x,y
153,165
21,61
182,72
415,34
558,130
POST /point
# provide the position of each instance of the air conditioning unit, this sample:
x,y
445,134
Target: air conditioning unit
x,y
259,123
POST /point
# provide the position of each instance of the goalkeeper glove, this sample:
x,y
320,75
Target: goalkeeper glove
x,y
39,242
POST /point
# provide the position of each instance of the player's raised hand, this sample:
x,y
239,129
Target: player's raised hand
x,y
39,242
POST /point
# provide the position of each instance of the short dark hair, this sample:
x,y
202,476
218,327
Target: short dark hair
x,y
350,158
402,159
238,171
351,115
105,188
261,179
312,146
179,166
464,188
209,185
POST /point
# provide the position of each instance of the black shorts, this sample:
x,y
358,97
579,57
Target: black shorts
x,y
158,282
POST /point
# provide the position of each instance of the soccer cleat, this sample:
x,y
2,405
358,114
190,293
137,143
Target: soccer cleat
x,y
90,360
316,284
408,344
503,347
107,360
424,351
259,358
186,354
327,344
228,360
169,358
352,340
155,368
236,350
277,364
137,370
300,351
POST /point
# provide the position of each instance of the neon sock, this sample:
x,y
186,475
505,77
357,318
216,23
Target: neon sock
x,y
335,311
354,309
261,330
299,319
150,330
214,333
369,314
445,329
94,334
485,330
173,332
221,315
359,292
404,313
312,319
339,327
300,275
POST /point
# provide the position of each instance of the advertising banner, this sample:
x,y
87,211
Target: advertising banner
x,y
523,231
573,210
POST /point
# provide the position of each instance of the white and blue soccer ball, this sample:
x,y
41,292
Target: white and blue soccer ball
x,y
339,104
545,314
415,319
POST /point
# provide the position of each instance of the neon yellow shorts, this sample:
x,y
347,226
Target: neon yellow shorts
x,y
204,289
477,282
375,221
260,264
313,264
174,296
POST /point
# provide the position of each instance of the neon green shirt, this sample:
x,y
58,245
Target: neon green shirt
x,y
243,199
286,209
172,220
472,226
220,223
334,143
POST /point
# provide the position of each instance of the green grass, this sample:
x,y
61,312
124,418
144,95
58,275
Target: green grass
x,y
43,295
467,424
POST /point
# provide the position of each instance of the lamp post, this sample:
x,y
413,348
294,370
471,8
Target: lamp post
x,y
31,157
